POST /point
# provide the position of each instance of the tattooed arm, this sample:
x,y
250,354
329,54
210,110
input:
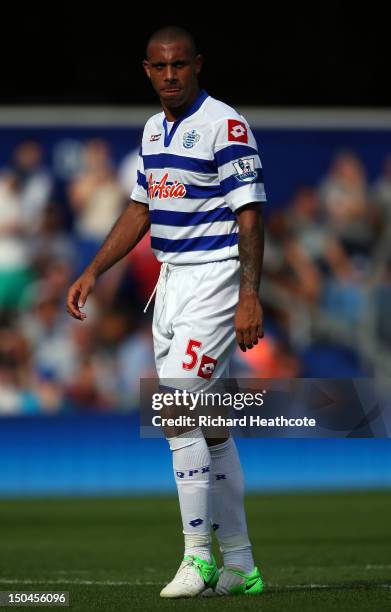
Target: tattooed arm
x,y
249,316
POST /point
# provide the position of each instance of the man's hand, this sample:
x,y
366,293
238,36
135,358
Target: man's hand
x,y
248,321
78,293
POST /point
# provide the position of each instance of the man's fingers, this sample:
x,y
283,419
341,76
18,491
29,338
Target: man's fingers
x,y
248,324
77,295
72,303
74,312
82,298
240,340
254,335
247,338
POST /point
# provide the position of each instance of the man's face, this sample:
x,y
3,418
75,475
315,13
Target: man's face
x,y
173,70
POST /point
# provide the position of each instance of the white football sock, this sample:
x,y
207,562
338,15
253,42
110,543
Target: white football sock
x,y
191,462
227,506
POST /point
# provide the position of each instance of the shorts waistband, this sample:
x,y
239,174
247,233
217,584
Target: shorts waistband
x,y
183,266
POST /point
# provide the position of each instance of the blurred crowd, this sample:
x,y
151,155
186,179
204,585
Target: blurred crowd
x,y
321,252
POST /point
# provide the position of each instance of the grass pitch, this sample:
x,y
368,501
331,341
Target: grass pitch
x,y
319,552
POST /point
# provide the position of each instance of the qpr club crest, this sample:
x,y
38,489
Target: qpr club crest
x,y
245,170
190,139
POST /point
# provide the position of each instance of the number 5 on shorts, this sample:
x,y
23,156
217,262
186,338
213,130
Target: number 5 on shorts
x,y
190,350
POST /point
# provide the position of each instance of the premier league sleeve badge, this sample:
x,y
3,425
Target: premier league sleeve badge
x,y
245,170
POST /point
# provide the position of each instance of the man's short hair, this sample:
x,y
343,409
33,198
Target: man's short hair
x,y
170,34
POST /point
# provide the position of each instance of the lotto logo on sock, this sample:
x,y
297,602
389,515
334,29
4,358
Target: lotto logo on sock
x,y
196,522
207,366
221,477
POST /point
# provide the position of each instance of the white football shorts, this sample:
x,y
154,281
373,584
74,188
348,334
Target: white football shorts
x,y
193,323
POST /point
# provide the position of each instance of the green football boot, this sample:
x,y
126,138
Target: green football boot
x,y
234,582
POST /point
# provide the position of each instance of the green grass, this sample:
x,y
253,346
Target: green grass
x,y
318,552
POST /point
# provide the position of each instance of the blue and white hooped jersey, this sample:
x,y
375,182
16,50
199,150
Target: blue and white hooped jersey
x,y
194,178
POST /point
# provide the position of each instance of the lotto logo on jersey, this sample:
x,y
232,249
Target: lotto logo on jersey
x,y
237,131
207,366
164,189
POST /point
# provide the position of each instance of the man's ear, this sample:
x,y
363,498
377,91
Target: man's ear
x,y
146,68
199,60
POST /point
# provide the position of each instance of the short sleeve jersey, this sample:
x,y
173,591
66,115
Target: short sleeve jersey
x,y
194,177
